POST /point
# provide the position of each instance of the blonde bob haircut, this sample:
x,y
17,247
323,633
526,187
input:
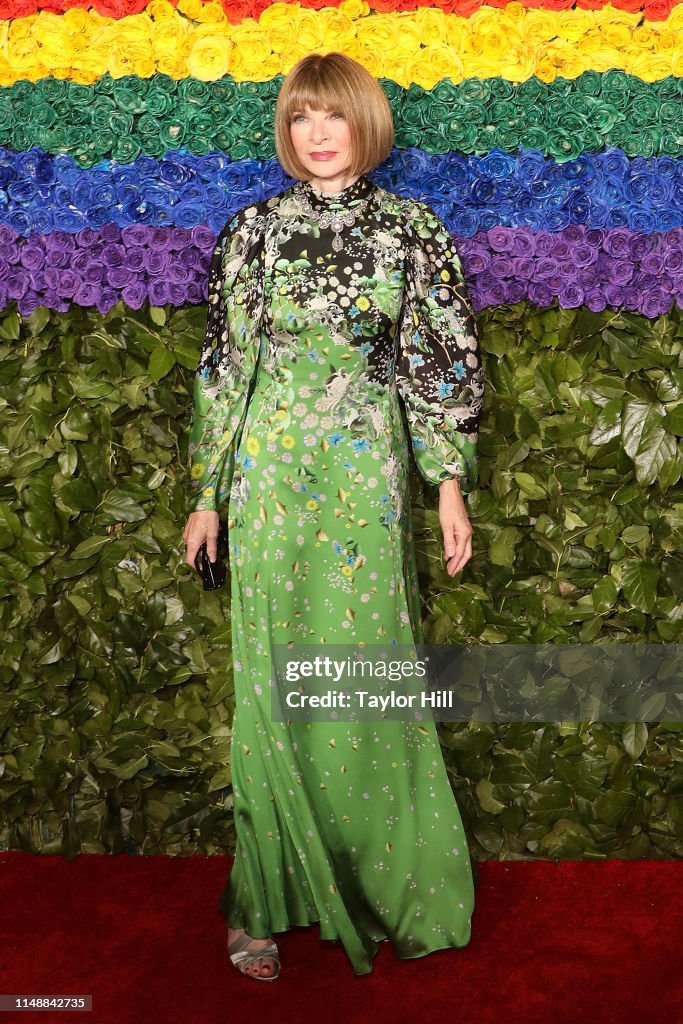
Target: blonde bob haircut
x,y
335,82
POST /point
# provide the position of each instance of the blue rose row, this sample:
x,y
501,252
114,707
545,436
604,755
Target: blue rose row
x,y
41,193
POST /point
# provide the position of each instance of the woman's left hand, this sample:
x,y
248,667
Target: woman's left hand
x,y
455,525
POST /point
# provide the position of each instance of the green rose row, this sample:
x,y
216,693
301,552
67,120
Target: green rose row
x,y
123,118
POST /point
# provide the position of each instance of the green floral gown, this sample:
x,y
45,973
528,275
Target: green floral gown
x,y
319,364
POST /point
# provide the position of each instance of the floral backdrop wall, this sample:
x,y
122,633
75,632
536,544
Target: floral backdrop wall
x,y
547,135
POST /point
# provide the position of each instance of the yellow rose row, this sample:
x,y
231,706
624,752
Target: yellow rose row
x,y
422,46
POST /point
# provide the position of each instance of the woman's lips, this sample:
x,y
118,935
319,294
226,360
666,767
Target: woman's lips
x,y
322,156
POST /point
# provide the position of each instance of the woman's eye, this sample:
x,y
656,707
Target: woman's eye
x,y
336,113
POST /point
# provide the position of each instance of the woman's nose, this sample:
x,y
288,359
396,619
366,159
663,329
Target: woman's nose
x,y
318,132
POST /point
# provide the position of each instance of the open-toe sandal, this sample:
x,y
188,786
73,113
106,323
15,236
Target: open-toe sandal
x,y
241,957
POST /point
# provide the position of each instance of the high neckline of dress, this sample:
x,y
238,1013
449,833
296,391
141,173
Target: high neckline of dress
x,y
348,197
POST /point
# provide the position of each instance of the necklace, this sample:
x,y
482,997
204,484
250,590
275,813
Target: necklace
x,y
335,219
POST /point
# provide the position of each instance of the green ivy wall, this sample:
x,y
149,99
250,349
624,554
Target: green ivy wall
x,y
116,683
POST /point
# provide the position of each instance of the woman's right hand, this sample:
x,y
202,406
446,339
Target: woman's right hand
x,y
201,526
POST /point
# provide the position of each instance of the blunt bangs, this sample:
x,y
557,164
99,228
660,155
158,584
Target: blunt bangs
x,y
335,82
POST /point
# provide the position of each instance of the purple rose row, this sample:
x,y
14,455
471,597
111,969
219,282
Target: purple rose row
x,y
595,267
579,266
135,264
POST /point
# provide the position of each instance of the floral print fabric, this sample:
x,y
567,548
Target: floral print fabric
x,y
320,371
398,260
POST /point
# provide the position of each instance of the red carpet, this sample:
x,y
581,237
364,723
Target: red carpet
x,y
556,943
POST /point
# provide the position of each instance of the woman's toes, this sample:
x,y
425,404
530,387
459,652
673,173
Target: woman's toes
x,y
265,967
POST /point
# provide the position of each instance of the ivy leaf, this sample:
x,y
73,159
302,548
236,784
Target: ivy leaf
x,y
529,486
161,361
10,525
157,315
613,806
635,535
646,441
38,319
639,583
484,790
606,427
118,507
79,494
156,479
131,768
502,549
674,420
634,737
10,327
186,353
55,651
77,424
604,595
90,546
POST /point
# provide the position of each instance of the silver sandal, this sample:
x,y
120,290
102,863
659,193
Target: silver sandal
x,y
241,958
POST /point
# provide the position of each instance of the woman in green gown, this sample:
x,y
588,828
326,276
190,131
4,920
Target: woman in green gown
x,y
339,337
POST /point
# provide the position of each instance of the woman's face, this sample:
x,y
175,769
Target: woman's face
x,y
322,142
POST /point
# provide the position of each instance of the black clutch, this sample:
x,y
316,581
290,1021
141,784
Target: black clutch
x,y
213,573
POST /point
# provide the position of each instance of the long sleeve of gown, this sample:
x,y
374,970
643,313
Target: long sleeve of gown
x,y
439,372
227,362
